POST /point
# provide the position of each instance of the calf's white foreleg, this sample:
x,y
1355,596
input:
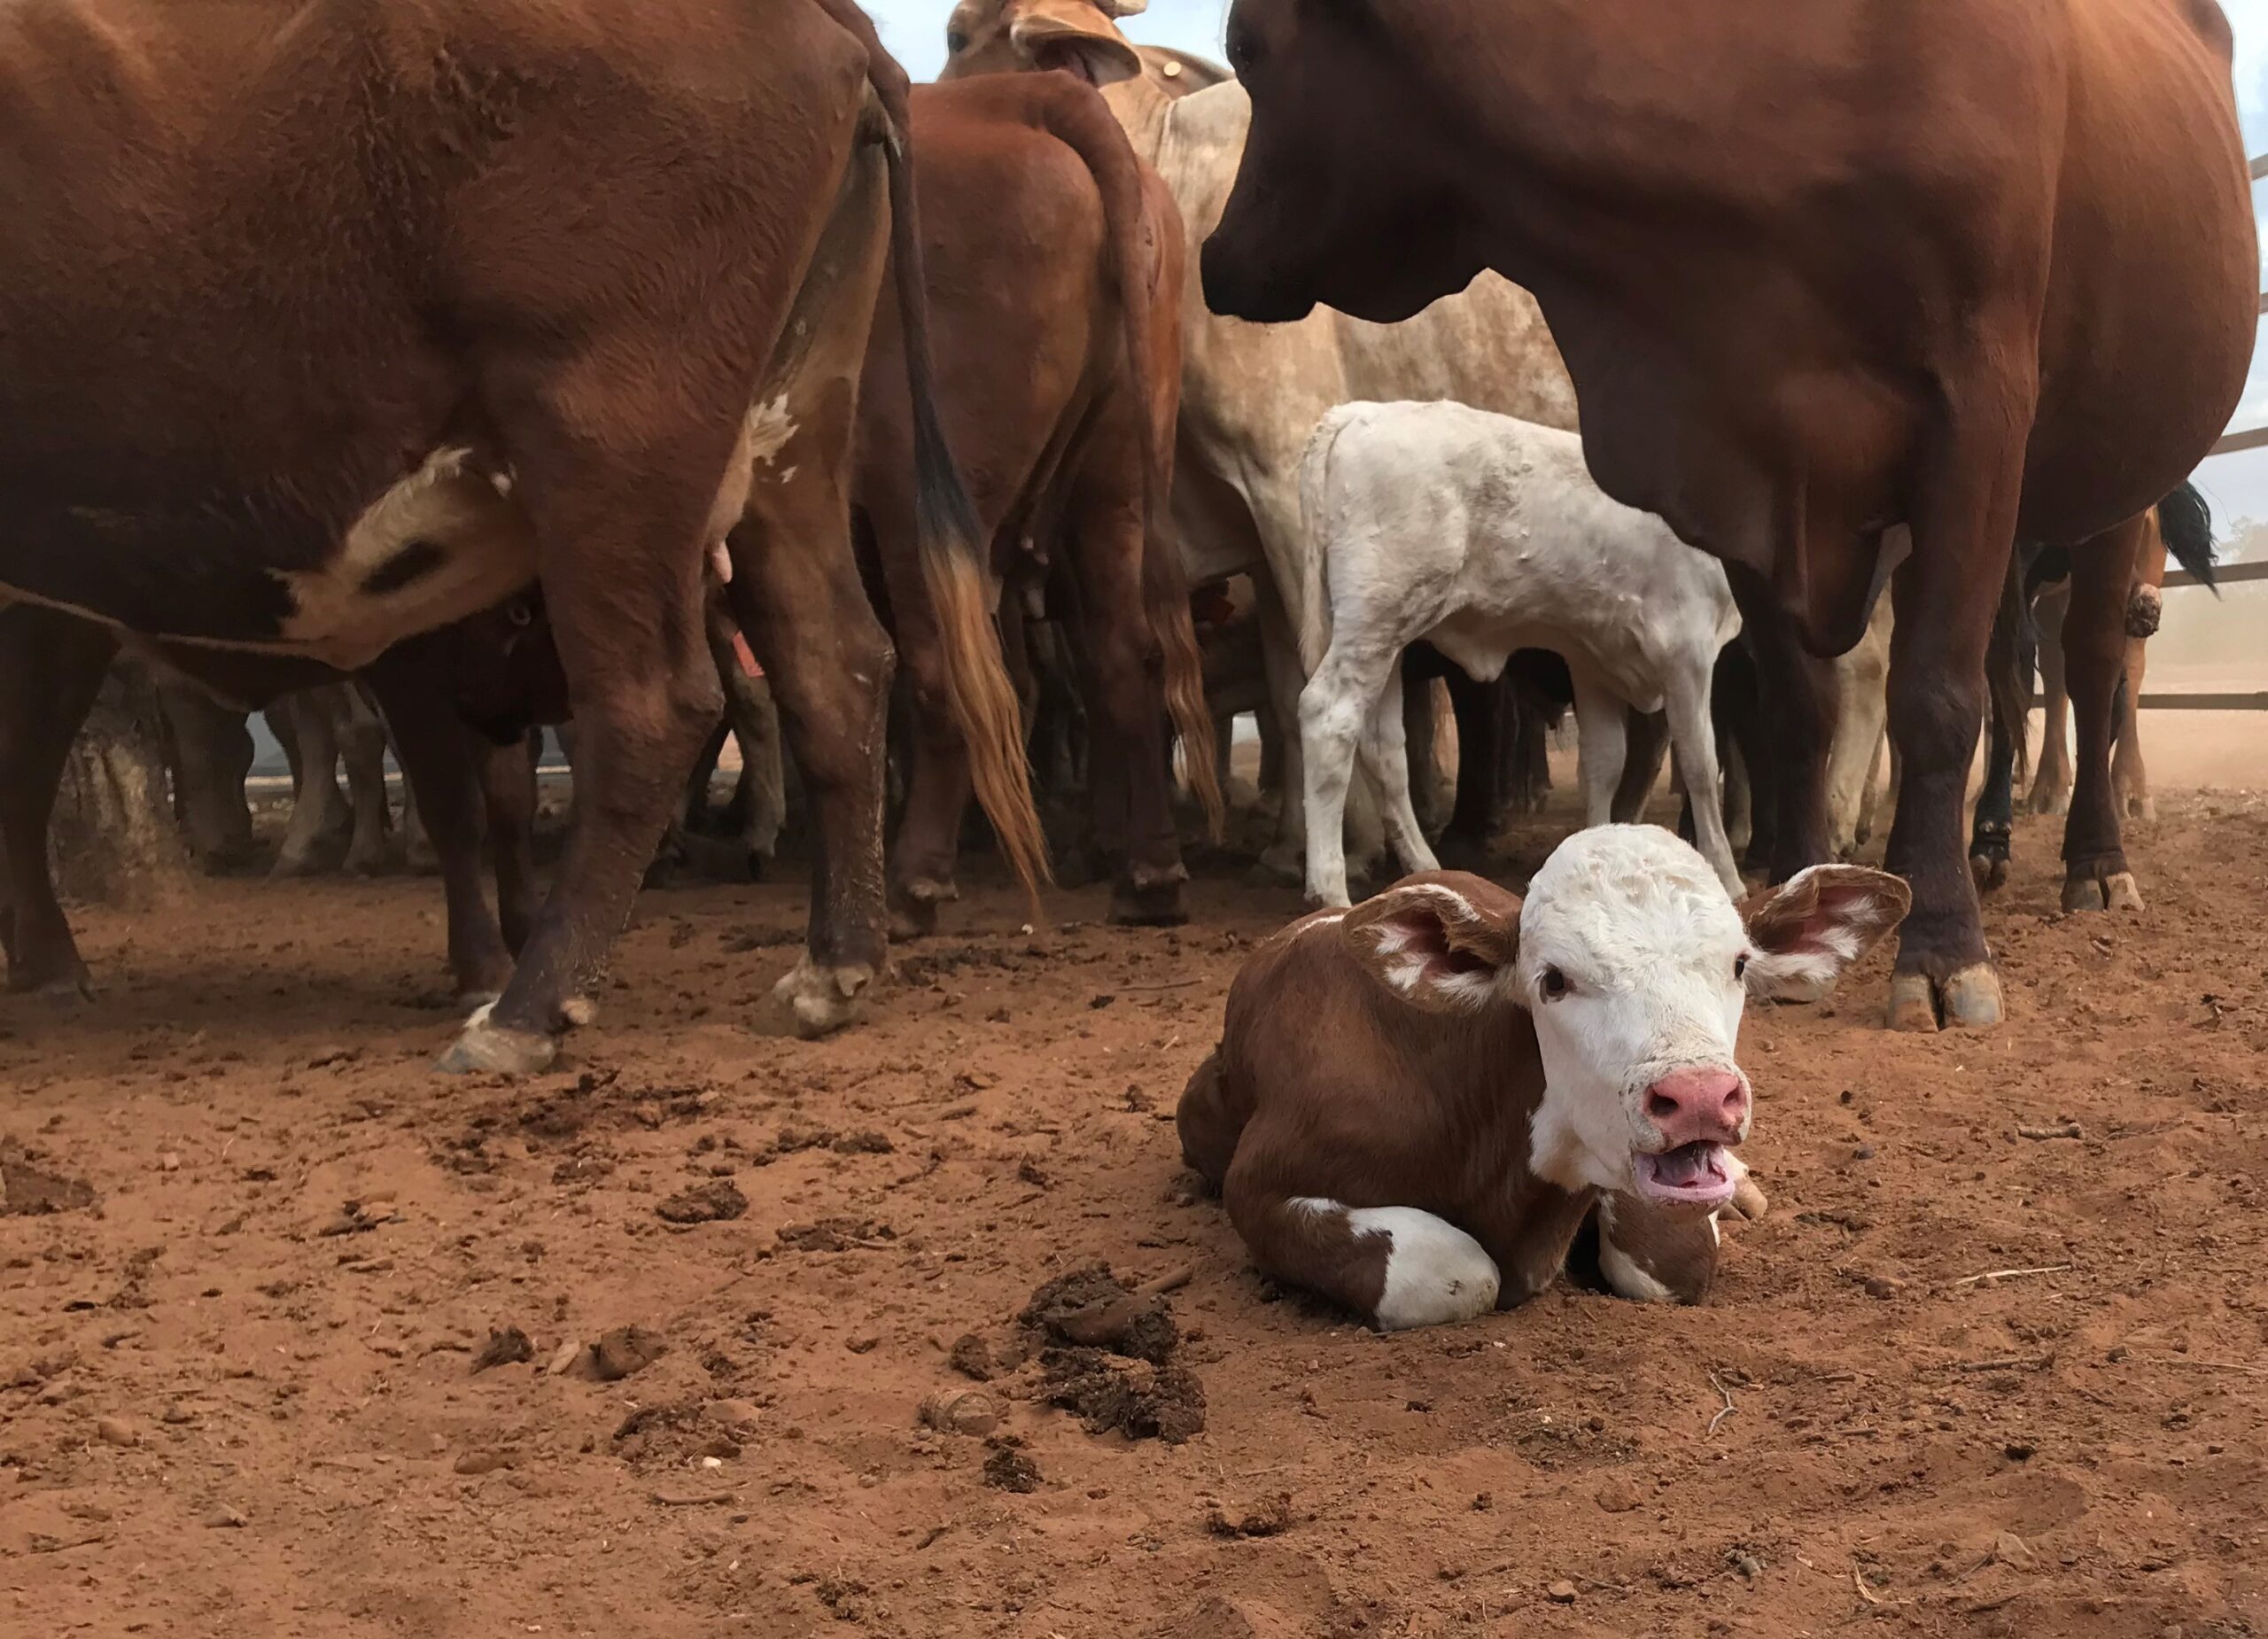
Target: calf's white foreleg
x,y
1333,708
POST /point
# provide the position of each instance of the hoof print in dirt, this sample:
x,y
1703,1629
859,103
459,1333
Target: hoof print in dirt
x,y
625,1351
711,1202
508,1347
1271,1516
27,1191
1010,1468
673,1436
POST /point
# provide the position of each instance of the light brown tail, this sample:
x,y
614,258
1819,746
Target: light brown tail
x,y
1146,265
954,555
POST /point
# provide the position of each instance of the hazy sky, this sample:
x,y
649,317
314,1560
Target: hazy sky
x,y
2237,484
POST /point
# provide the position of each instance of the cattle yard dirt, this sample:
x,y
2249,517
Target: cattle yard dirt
x,y
710,1333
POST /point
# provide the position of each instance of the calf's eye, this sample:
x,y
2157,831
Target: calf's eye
x,y
1740,966
956,43
1553,985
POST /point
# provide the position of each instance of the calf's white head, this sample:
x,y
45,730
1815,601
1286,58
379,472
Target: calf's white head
x,y
1633,963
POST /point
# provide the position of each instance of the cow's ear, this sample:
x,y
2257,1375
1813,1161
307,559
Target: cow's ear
x,y
1804,934
1438,946
1077,34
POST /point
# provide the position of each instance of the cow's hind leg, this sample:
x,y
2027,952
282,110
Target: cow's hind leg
x,y
1397,1267
361,738
806,616
320,815
2051,778
508,790
1346,688
438,768
2096,876
1386,762
1964,529
2130,781
1602,745
1695,738
50,667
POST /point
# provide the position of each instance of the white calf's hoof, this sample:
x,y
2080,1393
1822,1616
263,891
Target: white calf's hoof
x,y
813,1001
1435,1273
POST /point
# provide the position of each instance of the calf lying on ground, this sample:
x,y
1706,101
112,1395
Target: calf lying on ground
x,y
1483,535
1415,1103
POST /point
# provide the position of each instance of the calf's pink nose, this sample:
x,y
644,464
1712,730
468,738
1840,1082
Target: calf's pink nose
x,y
1694,1105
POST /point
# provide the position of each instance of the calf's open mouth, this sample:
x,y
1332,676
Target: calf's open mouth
x,y
1699,1174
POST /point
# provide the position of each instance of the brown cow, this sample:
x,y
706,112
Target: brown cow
x,y
1054,262
429,302
1964,268
1415,1103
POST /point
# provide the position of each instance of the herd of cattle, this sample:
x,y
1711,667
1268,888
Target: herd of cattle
x,y
610,364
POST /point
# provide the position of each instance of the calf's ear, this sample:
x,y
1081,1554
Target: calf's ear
x,y
1804,934
1435,946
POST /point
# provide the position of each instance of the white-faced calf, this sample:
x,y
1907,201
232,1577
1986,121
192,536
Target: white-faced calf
x,y
1415,1103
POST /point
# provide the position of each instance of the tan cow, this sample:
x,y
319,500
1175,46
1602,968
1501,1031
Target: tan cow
x,y
1251,394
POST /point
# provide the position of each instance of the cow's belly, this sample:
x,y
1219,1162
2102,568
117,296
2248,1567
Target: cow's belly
x,y
444,543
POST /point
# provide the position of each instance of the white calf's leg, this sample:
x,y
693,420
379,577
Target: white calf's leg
x,y
1386,761
1601,744
1333,709
1695,738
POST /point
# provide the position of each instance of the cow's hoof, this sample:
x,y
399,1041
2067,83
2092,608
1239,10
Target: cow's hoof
x,y
1279,866
2143,808
1989,871
1748,1200
485,1049
476,999
1156,904
381,858
1912,1005
1972,998
813,1001
1326,897
2117,891
913,907
2052,800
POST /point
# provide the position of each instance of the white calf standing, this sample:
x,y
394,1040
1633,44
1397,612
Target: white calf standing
x,y
1481,534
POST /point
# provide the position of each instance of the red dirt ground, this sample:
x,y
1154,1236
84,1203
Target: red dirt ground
x,y
237,1390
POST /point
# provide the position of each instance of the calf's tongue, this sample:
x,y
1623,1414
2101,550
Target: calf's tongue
x,y
1687,1165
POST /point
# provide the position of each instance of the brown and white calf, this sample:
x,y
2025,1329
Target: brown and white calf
x,y
1417,1103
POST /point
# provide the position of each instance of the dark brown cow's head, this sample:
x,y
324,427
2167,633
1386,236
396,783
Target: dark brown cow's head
x,y
1334,201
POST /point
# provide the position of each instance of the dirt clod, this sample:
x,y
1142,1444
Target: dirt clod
x,y
625,1351
1271,1516
971,1356
1112,1395
963,1411
832,1235
507,1347
713,1202
1560,1593
1090,1309
1009,1467
28,1191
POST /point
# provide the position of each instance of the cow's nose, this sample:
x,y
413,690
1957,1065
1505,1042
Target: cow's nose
x,y
1696,1105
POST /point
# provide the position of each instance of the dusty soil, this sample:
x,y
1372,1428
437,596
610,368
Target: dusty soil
x,y
238,1389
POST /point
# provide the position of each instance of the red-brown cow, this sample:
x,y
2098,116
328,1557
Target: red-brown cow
x,y
1054,262
1821,274
321,327
1417,1103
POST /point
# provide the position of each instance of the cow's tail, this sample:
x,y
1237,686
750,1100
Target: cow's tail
x,y
2186,522
1144,248
955,555
2009,661
1314,600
